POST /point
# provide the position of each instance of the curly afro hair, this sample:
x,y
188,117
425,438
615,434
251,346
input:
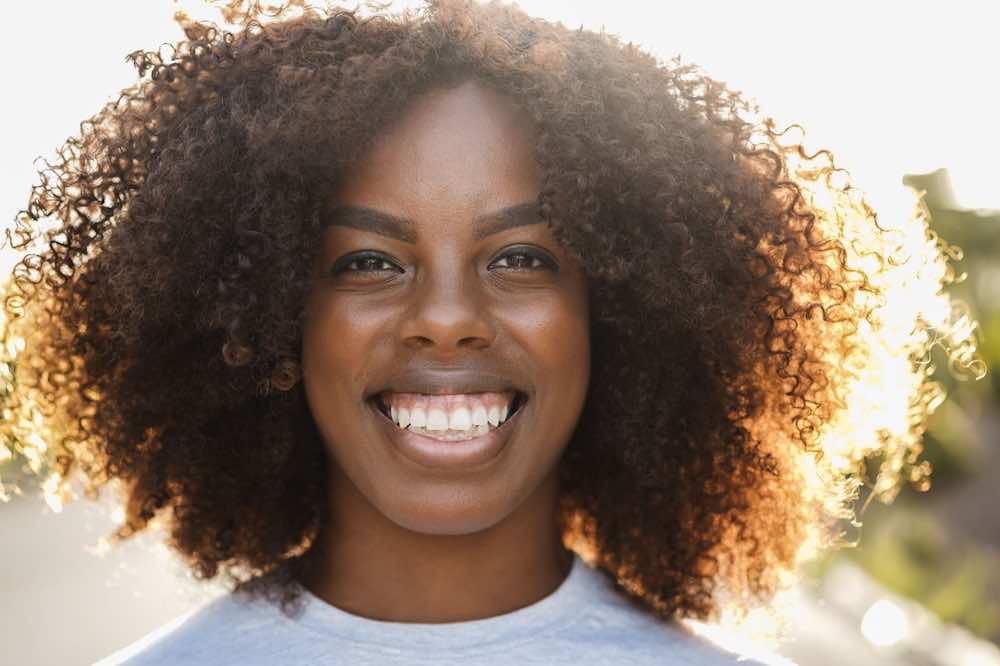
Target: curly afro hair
x,y
742,296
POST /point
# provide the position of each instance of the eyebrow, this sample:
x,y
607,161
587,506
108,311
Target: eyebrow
x,y
401,228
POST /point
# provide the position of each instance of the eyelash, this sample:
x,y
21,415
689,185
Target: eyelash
x,y
343,266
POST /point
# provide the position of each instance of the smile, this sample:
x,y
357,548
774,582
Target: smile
x,y
450,417
431,447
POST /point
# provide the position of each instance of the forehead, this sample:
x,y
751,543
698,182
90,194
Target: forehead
x,y
464,148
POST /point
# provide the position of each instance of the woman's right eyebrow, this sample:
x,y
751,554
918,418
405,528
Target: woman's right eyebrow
x,y
400,228
370,219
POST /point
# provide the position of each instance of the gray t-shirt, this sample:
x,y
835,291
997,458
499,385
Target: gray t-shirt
x,y
586,620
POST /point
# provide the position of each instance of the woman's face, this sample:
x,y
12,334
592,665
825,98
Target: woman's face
x,y
439,299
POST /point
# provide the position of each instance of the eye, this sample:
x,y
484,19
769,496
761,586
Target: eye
x,y
525,258
365,263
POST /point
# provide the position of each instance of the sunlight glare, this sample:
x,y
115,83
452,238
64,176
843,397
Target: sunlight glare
x,y
884,624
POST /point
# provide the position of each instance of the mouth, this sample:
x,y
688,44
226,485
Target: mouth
x,y
449,417
434,447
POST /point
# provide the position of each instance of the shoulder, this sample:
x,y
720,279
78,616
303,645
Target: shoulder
x,y
216,628
621,631
638,637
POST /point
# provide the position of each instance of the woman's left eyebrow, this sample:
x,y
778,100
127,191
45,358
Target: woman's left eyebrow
x,y
401,228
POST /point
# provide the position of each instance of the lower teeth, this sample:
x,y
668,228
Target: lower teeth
x,y
474,431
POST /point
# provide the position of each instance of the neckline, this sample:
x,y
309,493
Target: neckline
x,y
557,609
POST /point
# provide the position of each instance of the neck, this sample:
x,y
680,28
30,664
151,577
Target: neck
x,y
367,565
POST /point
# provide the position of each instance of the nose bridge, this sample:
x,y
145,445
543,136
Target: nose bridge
x,y
448,307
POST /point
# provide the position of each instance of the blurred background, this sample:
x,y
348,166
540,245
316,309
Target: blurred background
x,y
906,95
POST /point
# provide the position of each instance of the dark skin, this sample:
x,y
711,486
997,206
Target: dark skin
x,y
470,282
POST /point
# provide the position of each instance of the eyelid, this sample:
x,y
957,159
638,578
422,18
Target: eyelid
x,y
341,264
537,253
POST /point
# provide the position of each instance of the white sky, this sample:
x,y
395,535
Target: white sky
x,y
891,87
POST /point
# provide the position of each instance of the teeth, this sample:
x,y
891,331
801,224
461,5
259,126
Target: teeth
x,y
437,420
474,416
460,419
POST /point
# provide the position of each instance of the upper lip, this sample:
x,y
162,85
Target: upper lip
x,y
435,382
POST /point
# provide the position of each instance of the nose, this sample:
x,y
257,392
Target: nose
x,y
448,314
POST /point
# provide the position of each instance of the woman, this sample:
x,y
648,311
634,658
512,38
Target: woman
x,y
454,335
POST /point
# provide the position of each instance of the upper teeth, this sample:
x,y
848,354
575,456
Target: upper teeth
x,y
461,412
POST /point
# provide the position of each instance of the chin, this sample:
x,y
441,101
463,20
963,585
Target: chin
x,y
445,512
453,510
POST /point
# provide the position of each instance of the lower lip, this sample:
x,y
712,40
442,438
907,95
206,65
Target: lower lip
x,y
465,454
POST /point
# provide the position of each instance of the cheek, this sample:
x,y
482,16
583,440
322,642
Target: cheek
x,y
339,339
553,329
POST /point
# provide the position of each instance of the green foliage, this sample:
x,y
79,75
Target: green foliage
x,y
906,547
910,553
